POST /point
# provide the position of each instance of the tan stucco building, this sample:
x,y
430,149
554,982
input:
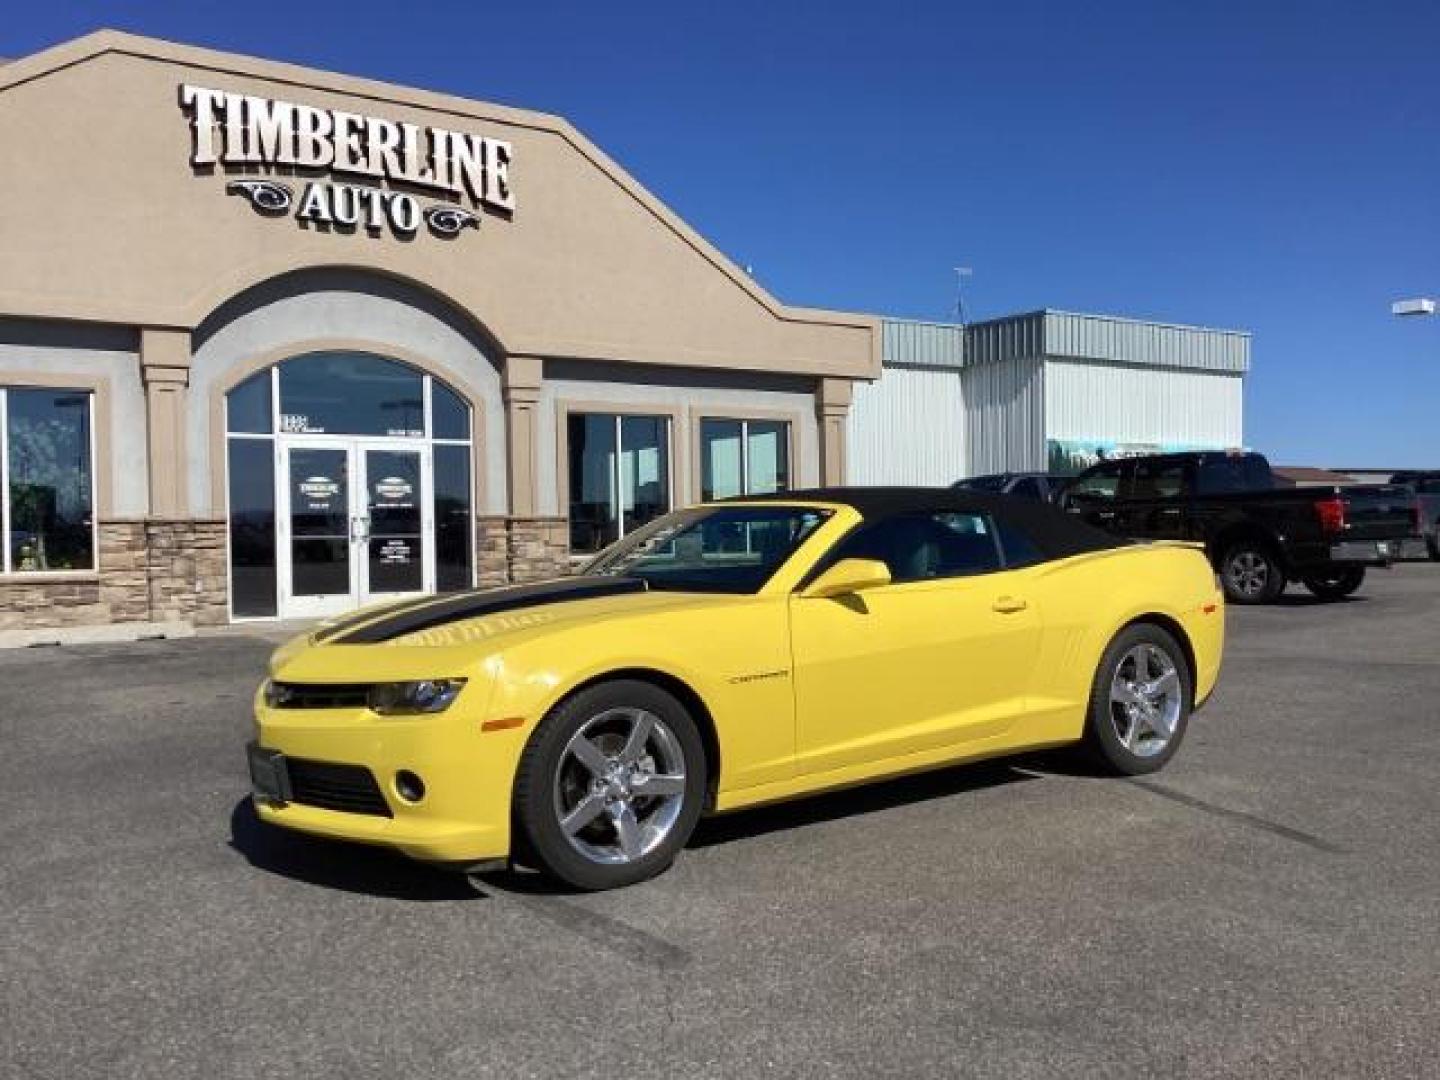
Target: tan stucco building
x,y
274,342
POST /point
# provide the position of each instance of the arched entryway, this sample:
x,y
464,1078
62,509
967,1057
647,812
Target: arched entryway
x,y
350,479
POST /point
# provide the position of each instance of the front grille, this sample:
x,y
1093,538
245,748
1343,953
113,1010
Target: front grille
x,y
324,784
284,695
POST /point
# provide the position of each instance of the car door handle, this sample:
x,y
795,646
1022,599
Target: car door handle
x,y
1008,605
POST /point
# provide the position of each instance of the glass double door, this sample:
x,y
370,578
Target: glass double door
x,y
355,523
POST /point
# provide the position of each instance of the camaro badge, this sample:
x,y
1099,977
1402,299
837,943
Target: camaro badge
x,y
780,674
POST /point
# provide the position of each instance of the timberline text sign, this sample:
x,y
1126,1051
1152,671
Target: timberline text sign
x,y
239,130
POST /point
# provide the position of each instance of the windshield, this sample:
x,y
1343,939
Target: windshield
x,y
733,549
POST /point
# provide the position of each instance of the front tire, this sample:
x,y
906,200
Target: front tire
x,y
1140,701
1251,574
1337,584
610,786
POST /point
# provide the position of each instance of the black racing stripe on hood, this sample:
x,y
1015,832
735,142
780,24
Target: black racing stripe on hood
x,y
471,605
341,626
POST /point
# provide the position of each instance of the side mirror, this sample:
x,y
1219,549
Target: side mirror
x,y
848,576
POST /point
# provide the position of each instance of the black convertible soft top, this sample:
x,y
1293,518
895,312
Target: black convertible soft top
x,y
1056,533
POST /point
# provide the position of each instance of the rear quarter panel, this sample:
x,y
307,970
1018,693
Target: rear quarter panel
x,y
1085,601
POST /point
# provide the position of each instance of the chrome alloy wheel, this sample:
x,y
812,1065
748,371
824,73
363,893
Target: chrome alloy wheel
x,y
1248,573
1145,700
620,786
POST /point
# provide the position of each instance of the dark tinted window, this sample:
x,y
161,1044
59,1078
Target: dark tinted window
x,y
352,394
248,405
452,518
619,472
1027,488
449,415
1219,473
917,547
1101,484
644,469
1017,546
252,527
1423,483
1157,480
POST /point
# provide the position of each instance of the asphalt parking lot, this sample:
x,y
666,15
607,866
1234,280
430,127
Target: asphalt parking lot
x,y
1268,906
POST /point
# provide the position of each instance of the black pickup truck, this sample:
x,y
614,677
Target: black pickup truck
x,y
1258,536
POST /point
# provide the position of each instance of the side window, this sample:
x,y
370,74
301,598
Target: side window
x,y
920,547
1100,485
1257,474
1017,547
1157,480
1217,475
1027,488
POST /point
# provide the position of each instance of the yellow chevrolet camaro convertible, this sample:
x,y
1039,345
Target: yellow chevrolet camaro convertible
x,y
727,655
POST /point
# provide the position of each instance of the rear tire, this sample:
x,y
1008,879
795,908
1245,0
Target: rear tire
x,y
610,786
1336,585
1251,574
1140,701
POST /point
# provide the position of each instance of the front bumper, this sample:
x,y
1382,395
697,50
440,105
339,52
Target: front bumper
x,y
468,773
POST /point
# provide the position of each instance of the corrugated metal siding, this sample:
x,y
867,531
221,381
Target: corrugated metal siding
x,y
998,340
923,344
1127,341
1065,334
1134,404
1004,416
908,427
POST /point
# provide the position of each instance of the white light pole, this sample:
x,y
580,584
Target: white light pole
x,y
1419,306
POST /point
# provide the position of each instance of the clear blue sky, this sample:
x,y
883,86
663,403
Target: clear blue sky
x,y
1266,166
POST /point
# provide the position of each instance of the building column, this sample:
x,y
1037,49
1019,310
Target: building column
x,y
520,387
832,407
165,371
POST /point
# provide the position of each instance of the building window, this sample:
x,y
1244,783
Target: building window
x,y
743,457
619,475
47,479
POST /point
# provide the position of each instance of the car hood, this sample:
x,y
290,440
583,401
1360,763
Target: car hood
x,y
395,637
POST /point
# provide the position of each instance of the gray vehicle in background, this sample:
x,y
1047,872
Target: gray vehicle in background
x,y
1426,485
1042,487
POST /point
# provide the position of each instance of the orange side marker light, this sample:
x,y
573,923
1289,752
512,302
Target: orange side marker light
x,y
503,724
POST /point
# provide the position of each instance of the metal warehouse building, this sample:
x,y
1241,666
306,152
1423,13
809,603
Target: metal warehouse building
x,y
1047,390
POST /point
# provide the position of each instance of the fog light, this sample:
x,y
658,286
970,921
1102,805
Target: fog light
x,y
409,786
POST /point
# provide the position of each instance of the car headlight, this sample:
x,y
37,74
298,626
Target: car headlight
x,y
413,698
277,695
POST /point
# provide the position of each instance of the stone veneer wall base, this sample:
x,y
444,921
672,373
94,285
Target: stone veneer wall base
x,y
152,573
159,577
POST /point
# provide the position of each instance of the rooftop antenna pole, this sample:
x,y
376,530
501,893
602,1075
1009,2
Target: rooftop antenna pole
x,y
961,273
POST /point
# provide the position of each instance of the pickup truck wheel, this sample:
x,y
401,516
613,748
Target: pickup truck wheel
x,y
1336,585
1139,701
1250,574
